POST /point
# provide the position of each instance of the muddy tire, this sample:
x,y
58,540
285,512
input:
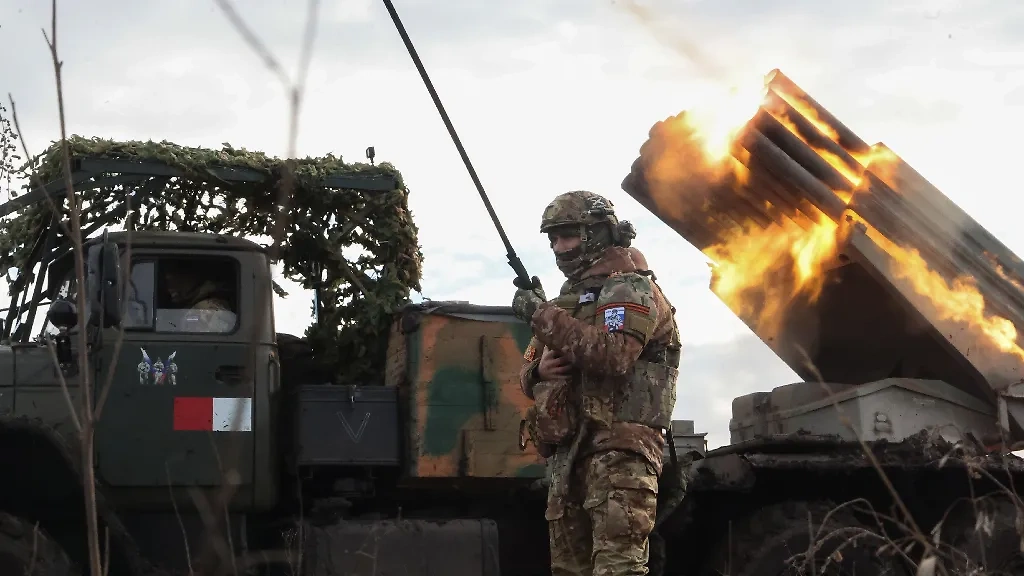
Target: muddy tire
x,y
991,546
774,541
30,551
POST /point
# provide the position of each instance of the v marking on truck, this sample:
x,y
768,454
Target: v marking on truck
x,y
355,435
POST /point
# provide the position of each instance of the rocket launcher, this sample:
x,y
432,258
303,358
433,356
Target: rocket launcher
x,y
842,258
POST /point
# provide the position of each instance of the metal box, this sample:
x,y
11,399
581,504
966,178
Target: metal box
x,y
686,440
348,425
457,366
892,409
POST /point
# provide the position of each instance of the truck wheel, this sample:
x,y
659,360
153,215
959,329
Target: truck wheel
x,y
774,541
972,549
24,549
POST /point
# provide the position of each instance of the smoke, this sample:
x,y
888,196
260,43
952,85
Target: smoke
x,y
676,40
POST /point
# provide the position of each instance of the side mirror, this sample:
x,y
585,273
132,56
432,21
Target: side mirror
x,y
105,285
62,314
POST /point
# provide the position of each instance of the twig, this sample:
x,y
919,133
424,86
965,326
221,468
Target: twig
x,y
295,91
86,437
253,41
106,549
214,541
870,456
181,522
35,549
64,386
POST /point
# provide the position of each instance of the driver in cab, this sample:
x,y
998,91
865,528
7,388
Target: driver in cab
x,y
206,309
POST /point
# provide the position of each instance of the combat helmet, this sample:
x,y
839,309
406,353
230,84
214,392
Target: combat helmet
x,y
591,217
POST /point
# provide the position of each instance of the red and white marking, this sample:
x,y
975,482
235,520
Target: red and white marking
x,y
213,414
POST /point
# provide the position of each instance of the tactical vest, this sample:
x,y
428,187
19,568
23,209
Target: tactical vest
x,y
648,394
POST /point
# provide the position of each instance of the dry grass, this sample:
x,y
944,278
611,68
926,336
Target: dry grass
x,y
218,555
937,557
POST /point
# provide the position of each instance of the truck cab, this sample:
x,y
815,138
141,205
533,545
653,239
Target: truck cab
x,y
185,393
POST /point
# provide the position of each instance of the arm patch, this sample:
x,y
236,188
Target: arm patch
x,y
626,304
531,352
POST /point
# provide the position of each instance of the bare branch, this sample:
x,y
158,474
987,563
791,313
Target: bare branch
x,y
85,389
909,518
253,41
64,387
286,188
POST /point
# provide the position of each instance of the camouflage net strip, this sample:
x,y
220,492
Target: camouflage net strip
x,y
362,244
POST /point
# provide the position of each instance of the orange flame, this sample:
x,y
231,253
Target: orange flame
x,y
833,160
1001,270
716,127
759,271
804,109
958,301
750,280
881,161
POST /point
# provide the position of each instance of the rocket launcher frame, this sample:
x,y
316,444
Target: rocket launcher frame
x,y
868,322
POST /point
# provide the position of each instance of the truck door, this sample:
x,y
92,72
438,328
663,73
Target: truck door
x,y
179,410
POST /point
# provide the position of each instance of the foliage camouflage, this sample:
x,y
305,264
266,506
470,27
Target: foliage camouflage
x,y
359,291
9,156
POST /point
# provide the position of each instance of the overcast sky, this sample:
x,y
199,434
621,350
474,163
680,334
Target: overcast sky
x,y
547,97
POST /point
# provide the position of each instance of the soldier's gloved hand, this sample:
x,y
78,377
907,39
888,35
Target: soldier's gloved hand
x,y
525,303
533,284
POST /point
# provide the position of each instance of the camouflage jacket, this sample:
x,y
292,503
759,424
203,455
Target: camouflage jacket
x,y
209,314
612,325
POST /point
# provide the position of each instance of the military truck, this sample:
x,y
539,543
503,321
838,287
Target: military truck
x,y
217,430
238,440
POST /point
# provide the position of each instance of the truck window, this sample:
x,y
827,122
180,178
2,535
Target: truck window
x,y
139,295
184,294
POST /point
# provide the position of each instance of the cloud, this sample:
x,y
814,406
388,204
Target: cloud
x,y
546,97
711,375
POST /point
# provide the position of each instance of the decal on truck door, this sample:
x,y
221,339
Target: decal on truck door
x,y
212,414
156,373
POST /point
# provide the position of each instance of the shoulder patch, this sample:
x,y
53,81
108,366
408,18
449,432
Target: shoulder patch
x,y
627,304
614,318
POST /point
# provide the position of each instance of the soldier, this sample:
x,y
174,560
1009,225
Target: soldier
x,y
206,309
604,384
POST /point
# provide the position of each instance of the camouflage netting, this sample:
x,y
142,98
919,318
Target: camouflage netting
x,y
363,244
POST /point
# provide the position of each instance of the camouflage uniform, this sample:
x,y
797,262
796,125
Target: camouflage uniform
x,y
604,430
204,310
210,314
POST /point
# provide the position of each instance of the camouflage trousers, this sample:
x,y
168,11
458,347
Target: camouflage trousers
x,y
608,513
